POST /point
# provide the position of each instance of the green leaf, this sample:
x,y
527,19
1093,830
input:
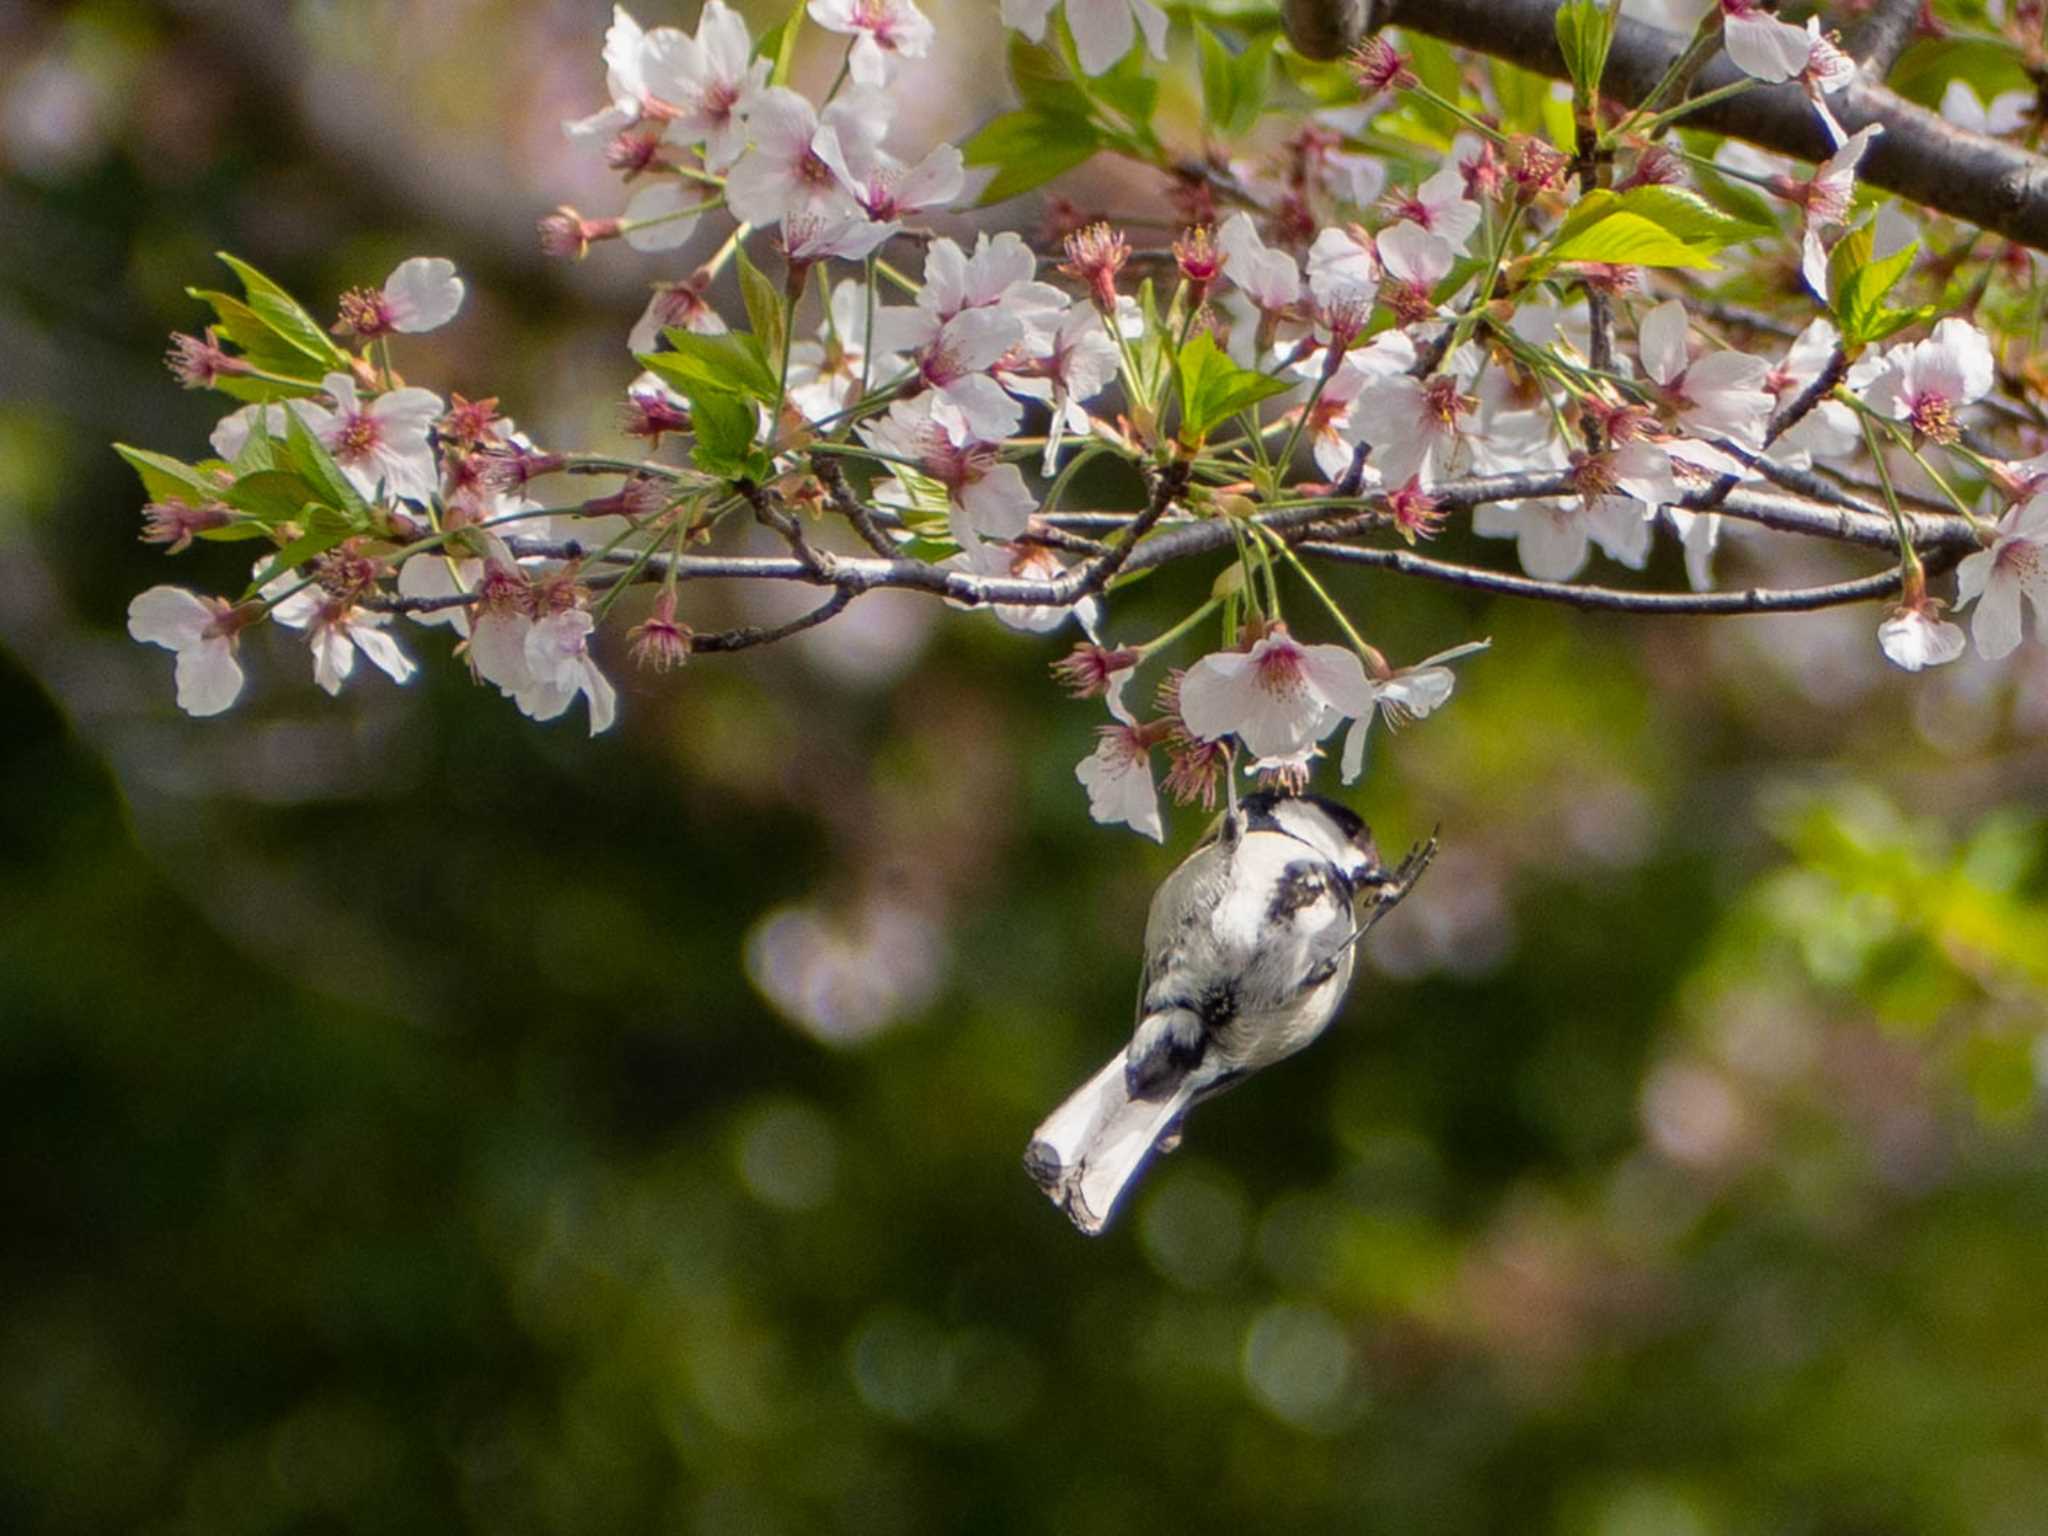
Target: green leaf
x,y
286,319
1585,32
1858,284
1626,239
729,364
1030,149
779,44
310,457
1234,85
1043,84
725,426
263,348
274,496
1128,89
1685,216
1213,388
168,479
764,305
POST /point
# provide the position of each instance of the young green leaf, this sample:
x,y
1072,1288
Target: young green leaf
x,y
309,456
1625,239
1029,149
1585,32
1858,284
167,479
284,316
1213,388
727,364
763,299
725,426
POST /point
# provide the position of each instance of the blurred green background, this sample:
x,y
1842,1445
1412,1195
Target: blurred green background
x,y
412,1119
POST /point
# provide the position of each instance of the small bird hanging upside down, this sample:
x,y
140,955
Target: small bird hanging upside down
x,y
1249,949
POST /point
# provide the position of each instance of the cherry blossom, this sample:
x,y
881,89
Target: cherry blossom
x,y
2005,113
1413,426
1720,395
202,631
1103,29
783,172
1916,636
559,667
1118,778
880,29
1405,695
1269,278
681,305
884,187
336,629
703,86
1618,491
825,374
991,497
1440,206
1926,383
1762,46
624,44
1279,698
660,216
1996,579
1025,562
422,294
382,447
1826,196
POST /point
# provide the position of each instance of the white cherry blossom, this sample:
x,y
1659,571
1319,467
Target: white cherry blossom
x,y
422,294
659,216
990,498
1926,383
703,86
1118,778
1279,698
624,44
825,374
336,630
1414,426
883,186
383,446
1409,694
782,172
1103,29
1915,636
202,632
1720,395
1762,46
880,29
1440,206
1997,579
1270,278
2005,113
1826,197
559,667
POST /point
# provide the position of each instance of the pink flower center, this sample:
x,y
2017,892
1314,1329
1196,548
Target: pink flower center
x,y
1280,670
360,437
1933,417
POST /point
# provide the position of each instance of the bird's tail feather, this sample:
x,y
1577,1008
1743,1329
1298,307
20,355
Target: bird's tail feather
x,y
1090,1149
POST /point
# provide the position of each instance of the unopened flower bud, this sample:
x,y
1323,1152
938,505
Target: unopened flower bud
x,y
1201,263
566,233
642,496
1656,166
650,415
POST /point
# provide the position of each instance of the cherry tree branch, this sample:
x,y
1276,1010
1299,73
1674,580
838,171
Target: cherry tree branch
x,y
1969,176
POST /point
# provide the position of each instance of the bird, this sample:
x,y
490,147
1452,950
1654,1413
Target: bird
x,y
1249,950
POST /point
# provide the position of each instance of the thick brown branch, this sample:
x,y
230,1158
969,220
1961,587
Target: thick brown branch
x,y
1969,176
1884,35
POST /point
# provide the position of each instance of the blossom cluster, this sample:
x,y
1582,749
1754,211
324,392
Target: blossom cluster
x,y
1387,306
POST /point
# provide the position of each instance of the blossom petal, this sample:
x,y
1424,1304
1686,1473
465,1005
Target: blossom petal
x,y
423,294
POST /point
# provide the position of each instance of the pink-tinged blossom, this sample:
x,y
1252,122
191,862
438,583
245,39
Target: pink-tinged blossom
x,y
783,173
1829,429
1075,364
991,497
1440,206
1927,383
1103,29
202,632
1343,268
1762,46
1720,395
624,43
1001,273
954,365
880,29
825,374
1414,427
1279,698
1023,562
336,629
2005,113
1268,277
1826,197
1414,261
679,305
883,186
421,294
660,216
1618,492
816,235
1827,70
703,86
559,667
1996,579
1915,636
1330,430
382,445
1118,778
1406,695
